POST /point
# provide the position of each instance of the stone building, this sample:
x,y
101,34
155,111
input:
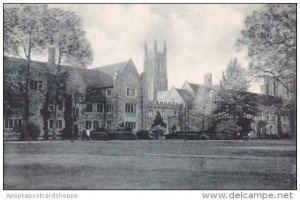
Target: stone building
x,y
108,96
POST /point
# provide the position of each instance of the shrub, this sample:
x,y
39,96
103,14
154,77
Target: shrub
x,y
122,135
143,135
98,135
157,132
204,137
32,130
66,133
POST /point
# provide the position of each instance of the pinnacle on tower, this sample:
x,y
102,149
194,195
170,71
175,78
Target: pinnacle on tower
x,y
155,46
146,50
165,48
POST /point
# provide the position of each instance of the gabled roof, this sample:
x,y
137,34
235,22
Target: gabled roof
x,y
194,86
93,78
114,68
186,95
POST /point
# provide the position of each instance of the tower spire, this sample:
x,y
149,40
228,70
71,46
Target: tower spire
x,y
155,46
146,50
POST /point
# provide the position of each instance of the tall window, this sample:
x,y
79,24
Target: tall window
x,y
100,108
130,108
130,92
35,85
108,92
59,124
108,108
163,112
95,125
88,124
89,107
150,112
51,124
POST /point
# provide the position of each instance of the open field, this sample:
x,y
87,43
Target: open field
x,y
160,164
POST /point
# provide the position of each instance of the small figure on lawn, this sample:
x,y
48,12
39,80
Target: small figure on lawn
x,y
88,134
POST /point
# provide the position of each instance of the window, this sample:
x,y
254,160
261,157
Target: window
x,y
150,112
95,125
35,85
130,108
100,108
108,108
108,92
59,124
51,123
163,112
130,125
108,123
88,124
175,113
59,105
11,123
130,92
89,107
6,123
51,105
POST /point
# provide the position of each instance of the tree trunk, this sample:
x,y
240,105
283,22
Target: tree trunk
x,y
26,111
293,123
54,120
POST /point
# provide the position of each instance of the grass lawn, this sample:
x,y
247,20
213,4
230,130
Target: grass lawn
x,y
160,164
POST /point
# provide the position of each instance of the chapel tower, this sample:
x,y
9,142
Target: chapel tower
x,y
155,76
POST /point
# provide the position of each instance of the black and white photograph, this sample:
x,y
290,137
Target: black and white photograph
x,y
149,96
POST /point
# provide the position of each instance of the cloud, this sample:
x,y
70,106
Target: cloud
x,y
200,38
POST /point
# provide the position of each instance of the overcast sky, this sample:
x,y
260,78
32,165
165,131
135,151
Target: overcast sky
x,y
200,38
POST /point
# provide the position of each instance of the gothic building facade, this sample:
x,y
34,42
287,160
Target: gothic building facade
x,y
121,96
108,96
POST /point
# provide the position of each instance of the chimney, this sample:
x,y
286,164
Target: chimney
x,y
208,79
51,55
